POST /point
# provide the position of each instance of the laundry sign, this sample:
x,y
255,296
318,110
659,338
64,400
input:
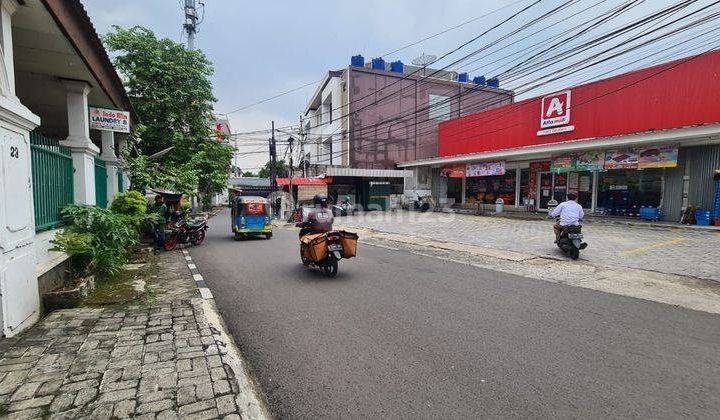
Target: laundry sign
x,y
109,119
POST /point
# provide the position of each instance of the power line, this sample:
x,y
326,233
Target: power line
x,y
404,47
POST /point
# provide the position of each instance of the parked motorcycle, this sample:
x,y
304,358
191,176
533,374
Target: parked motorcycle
x,y
345,208
179,231
324,250
421,204
571,241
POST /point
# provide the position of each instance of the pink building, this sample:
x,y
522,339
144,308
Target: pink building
x,y
365,119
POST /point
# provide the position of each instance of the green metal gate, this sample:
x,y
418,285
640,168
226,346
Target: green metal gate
x,y
121,182
52,177
100,183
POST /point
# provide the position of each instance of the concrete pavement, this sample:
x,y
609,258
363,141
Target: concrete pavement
x,y
398,334
688,252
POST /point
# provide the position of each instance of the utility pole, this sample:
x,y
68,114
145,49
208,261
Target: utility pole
x,y
303,164
273,159
191,22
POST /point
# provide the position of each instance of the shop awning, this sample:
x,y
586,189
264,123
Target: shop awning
x,y
305,181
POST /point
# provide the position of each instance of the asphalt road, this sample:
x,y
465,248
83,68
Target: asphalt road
x,y
402,335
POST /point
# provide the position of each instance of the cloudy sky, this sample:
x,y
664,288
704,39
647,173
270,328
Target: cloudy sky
x,y
263,48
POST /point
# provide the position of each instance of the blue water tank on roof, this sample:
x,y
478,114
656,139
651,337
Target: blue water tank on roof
x,y
480,81
378,64
463,77
494,82
357,61
397,66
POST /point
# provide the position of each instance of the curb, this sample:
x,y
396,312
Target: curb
x,y
249,398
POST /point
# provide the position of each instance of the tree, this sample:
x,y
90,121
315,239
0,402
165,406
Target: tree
x,y
170,89
249,174
281,170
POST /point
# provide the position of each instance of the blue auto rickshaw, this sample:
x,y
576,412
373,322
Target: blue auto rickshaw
x,y
251,216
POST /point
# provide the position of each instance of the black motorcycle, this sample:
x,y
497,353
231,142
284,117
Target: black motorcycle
x,y
180,231
571,241
421,204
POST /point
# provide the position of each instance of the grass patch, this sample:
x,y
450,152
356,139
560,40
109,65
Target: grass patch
x,y
122,287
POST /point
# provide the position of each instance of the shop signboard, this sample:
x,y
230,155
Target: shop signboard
x,y
453,171
555,110
590,160
564,163
658,157
621,159
485,169
109,119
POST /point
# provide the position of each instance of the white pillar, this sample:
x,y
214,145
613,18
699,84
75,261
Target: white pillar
x,y
19,298
121,145
78,140
111,163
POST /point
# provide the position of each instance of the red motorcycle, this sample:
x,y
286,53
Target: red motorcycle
x,y
183,232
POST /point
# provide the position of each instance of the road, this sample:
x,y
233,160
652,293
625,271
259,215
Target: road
x,y
398,334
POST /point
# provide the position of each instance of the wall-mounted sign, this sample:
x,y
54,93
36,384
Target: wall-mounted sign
x,y
556,130
658,157
564,163
485,169
621,159
109,119
453,171
555,110
589,161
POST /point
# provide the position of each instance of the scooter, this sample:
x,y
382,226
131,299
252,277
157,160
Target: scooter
x,y
345,208
182,232
571,241
335,251
421,205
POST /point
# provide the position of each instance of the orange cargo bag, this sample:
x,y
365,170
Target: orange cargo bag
x,y
349,243
315,246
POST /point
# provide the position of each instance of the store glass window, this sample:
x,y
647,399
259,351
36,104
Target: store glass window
x,y
623,192
524,185
487,189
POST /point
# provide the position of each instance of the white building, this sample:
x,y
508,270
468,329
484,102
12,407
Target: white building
x,y
52,66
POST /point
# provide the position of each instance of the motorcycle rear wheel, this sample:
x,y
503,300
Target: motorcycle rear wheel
x,y
331,269
574,253
171,242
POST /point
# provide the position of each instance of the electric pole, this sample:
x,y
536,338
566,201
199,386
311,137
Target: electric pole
x,y
303,163
191,22
273,159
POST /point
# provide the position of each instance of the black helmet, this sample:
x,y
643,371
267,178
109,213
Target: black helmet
x,y
320,200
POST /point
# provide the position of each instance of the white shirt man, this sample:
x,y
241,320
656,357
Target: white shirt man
x,y
570,213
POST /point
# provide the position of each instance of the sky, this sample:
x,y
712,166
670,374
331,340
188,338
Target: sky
x,y
262,48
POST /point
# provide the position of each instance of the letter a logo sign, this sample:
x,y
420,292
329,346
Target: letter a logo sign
x,y
555,110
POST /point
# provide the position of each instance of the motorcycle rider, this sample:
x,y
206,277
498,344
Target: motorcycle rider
x,y
569,212
319,219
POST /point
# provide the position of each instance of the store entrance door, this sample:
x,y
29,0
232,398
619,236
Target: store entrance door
x,y
544,189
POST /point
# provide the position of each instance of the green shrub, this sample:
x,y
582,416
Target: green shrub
x,y
79,247
111,234
130,203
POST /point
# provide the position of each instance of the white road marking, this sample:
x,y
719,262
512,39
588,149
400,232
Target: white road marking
x,y
197,277
205,293
192,266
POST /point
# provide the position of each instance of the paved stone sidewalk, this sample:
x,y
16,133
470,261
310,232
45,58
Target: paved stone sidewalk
x,y
688,252
147,361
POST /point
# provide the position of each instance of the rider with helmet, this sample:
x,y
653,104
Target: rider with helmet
x,y
319,219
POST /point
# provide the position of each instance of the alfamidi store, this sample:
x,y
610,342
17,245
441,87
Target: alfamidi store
x,y
645,139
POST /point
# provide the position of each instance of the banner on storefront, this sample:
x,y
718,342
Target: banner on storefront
x,y
485,169
589,161
564,163
453,171
658,157
621,159
109,119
